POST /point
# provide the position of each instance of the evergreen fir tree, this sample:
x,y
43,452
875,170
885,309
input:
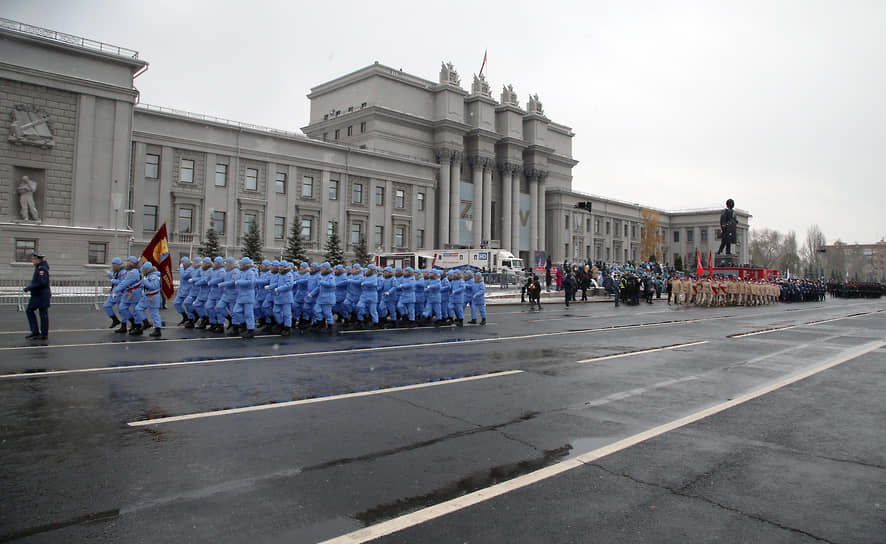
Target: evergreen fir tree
x,y
210,247
334,254
252,244
295,250
361,254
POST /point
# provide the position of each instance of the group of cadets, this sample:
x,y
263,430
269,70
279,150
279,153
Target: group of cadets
x,y
226,295
722,292
136,292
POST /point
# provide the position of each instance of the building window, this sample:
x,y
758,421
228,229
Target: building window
x,y
337,134
150,219
626,230
330,229
307,187
420,197
333,189
280,183
252,179
185,219
356,233
399,235
399,199
608,253
221,175
250,221
97,253
607,227
186,171
363,105
152,166
279,228
420,238
363,127
357,194
379,235
566,224
690,235
350,130
704,235
350,109
379,196
676,236
218,222
325,134
633,231
307,228
596,226
23,250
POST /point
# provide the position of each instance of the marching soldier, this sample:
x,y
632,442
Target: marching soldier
x,y
114,297
150,300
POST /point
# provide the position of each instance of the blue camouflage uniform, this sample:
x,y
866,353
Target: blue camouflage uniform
x,y
420,294
341,290
355,290
269,283
478,296
216,276
244,309
225,305
129,289
456,298
282,293
184,272
324,293
151,298
445,291
193,272
406,301
432,301
261,294
388,306
368,303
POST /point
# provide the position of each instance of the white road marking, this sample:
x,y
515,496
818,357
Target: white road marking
x,y
58,331
427,514
122,342
788,327
200,415
642,351
638,391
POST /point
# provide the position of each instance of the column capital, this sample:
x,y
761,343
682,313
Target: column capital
x,y
510,167
481,161
535,174
444,154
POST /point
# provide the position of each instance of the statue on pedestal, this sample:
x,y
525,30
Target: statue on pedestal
x,y
449,75
728,225
509,96
480,86
27,207
534,105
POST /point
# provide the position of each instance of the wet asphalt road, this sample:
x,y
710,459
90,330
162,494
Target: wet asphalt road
x,y
803,463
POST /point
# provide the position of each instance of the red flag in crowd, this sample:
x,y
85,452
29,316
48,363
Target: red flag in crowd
x,y
699,269
711,264
157,253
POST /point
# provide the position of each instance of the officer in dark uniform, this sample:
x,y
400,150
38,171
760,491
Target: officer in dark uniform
x,y
40,294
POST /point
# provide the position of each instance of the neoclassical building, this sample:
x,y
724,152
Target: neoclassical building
x,y
404,162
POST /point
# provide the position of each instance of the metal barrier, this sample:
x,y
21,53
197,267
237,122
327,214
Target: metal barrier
x,y
65,290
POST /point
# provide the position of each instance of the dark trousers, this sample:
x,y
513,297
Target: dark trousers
x,y
44,321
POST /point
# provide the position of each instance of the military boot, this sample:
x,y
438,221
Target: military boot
x,y
235,330
248,333
460,323
285,331
202,323
114,322
189,324
483,322
473,322
156,333
136,330
122,328
184,319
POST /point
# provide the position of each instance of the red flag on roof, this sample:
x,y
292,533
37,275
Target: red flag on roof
x,y
484,62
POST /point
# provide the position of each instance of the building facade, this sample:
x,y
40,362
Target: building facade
x,y
403,162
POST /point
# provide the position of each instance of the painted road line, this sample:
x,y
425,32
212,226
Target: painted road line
x,y
427,514
638,391
788,327
201,415
122,343
642,351
59,331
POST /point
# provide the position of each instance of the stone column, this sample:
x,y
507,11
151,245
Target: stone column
x,y
506,206
532,177
542,242
455,199
487,201
443,156
516,221
477,205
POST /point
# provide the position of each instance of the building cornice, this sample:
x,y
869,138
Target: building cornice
x,y
72,84
373,70
133,61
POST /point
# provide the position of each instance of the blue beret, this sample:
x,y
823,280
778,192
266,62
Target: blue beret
x,y
356,266
116,260
132,259
315,265
398,269
266,262
219,260
478,274
231,260
197,260
183,259
304,264
339,267
275,262
408,269
388,269
325,265
147,266
245,260
371,267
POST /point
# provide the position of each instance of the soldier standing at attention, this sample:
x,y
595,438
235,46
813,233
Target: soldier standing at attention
x,y
40,295
113,298
478,297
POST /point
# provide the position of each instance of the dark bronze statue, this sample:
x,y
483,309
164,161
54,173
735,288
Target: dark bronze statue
x,y
727,228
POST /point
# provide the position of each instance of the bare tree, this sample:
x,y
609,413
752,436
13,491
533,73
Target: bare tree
x,y
788,259
813,250
765,247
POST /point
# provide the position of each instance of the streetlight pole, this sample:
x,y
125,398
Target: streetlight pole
x,y
130,237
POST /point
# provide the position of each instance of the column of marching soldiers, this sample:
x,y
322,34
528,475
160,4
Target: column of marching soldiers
x,y
225,295
736,292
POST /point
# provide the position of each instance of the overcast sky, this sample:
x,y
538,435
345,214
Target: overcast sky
x,y
777,104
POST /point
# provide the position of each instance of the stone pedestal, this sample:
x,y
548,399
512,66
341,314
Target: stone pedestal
x,y
725,261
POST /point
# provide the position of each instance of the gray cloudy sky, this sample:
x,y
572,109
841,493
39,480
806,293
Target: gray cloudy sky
x,y
777,104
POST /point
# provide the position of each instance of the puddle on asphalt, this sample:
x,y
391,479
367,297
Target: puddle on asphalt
x,y
473,482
